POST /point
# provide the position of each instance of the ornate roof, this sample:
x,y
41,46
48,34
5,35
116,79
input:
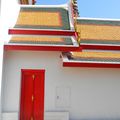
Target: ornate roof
x,y
96,56
47,27
92,59
95,35
99,32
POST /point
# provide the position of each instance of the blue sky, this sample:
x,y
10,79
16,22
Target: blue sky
x,y
93,8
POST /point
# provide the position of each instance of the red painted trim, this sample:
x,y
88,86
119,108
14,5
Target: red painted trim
x,y
94,65
21,96
41,32
100,47
95,24
42,48
76,35
31,71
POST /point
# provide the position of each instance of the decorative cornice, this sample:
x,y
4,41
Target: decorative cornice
x,y
75,8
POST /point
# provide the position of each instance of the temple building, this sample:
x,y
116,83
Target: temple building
x,y
57,65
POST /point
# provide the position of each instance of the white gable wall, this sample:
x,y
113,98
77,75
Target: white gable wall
x,y
92,92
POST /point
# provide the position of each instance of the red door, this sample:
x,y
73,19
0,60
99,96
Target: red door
x,y
32,95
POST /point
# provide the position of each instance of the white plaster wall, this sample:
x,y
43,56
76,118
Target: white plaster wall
x,y
1,68
94,92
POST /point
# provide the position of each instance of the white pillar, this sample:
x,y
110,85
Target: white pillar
x,y
0,8
7,16
1,64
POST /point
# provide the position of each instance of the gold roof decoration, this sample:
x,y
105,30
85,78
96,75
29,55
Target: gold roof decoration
x,y
27,2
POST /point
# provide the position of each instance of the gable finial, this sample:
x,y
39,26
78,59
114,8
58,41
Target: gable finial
x,y
75,15
75,8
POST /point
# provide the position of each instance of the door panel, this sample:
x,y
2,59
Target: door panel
x,y
38,97
28,93
32,95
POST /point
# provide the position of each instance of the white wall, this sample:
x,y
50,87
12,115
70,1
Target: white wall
x,y
93,92
0,7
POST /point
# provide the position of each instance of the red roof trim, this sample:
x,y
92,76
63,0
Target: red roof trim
x,y
95,65
42,32
42,48
100,47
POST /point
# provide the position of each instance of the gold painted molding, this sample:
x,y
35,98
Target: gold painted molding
x,y
27,2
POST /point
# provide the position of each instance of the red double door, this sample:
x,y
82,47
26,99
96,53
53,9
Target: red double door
x,y
32,95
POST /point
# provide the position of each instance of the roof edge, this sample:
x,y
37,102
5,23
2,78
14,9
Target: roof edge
x,y
102,19
49,6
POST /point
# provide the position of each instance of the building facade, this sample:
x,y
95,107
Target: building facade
x,y
57,65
